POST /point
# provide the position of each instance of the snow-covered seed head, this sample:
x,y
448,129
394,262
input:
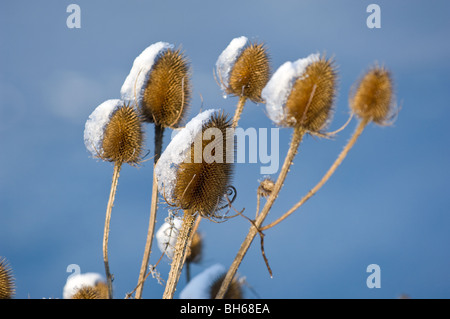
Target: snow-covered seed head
x,y
203,178
311,99
250,73
168,90
243,69
372,98
123,137
234,290
194,252
266,186
7,285
99,291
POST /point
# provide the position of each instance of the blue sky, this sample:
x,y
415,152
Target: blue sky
x,y
387,204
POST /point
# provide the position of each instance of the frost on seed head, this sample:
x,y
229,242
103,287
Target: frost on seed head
x,y
95,125
134,86
277,90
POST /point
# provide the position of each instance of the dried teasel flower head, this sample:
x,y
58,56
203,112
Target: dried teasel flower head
x,y
265,187
302,93
243,69
7,282
372,97
85,286
194,251
206,284
159,83
99,291
113,132
195,170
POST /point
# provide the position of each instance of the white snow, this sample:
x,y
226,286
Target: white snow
x,y
176,152
198,287
75,282
134,86
277,90
226,60
96,123
167,235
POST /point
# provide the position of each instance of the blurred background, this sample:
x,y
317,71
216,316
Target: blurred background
x,y
388,204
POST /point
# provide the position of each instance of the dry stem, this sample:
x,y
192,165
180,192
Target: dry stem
x,y
112,194
238,112
159,131
326,177
183,241
253,231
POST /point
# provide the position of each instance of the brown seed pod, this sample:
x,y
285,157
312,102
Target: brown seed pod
x,y
7,285
310,102
234,290
250,73
86,292
372,98
123,137
194,252
168,90
202,183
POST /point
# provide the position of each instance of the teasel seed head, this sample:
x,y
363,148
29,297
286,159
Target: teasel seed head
x,y
243,69
123,136
234,290
194,172
194,252
311,99
250,73
7,282
114,133
168,90
372,97
202,185
301,94
265,187
99,291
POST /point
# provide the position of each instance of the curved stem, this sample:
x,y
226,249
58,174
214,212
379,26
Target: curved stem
x,y
183,241
326,177
112,195
238,112
253,231
159,132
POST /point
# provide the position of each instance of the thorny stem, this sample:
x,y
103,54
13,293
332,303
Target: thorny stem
x,y
326,177
183,241
238,112
112,194
253,231
159,131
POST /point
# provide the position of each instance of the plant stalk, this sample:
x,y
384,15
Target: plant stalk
x,y
326,177
253,231
239,109
159,133
183,241
112,195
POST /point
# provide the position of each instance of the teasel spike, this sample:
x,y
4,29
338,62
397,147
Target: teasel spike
x,y
298,95
7,281
113,132
197,180
372,97
371,100
243,70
